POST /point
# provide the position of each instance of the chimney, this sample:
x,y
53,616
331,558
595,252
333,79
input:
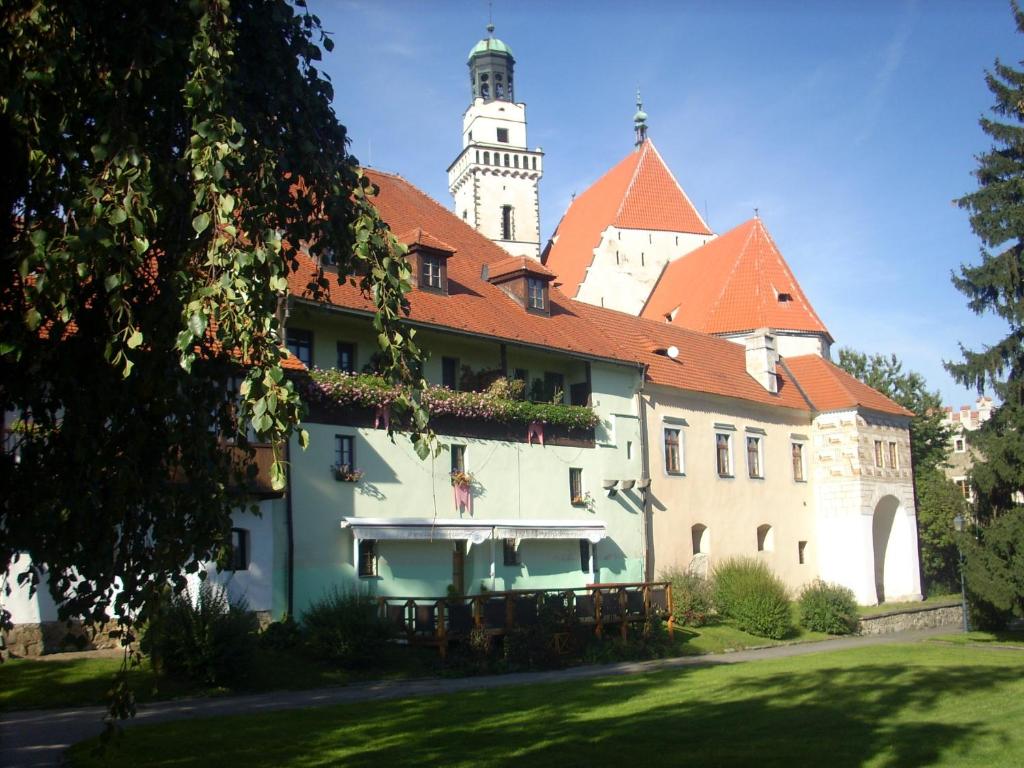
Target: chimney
x,y
762,355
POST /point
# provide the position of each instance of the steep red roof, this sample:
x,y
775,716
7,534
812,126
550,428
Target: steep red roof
x,y
472,305
638,193
830,388
736,282
705,363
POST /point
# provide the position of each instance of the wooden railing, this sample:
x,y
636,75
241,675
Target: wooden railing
x,y
439,621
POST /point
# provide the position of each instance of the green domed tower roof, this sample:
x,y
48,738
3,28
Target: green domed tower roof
x,y
489,45
491,66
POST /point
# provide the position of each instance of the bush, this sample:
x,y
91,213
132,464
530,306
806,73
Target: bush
x,y
691,597
345,628
202,637
283,635
826,607
747,592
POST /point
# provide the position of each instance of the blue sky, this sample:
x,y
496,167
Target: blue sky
x,y
850,126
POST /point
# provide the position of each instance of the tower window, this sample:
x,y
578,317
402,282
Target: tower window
x,y
487,158
506,222
507,163
515,161
503,135
534,162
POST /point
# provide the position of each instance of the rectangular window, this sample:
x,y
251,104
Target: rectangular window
x,y
798,462
878,453
510,552
300,344
239,550
346,357
965,487
367,557
723,454
754,457
575,485
450,372
673,452
801,551
585,546
345,452
503,135
535,293
894,458
458,458
430,272
554,386
959,445
506,222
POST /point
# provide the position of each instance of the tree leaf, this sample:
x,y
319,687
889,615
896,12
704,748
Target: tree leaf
x,y
201,222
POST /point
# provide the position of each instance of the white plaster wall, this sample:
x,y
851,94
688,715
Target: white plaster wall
x,y
255,584
627,264
482,119
790,343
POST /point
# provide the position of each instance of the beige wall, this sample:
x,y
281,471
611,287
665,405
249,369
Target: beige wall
x,y
734,507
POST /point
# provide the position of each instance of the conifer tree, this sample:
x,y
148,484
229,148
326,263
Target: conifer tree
x,y
996,285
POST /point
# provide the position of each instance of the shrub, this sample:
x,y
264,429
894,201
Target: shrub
x,y
281,635
691,597
345,628
202,637
826,607
747,592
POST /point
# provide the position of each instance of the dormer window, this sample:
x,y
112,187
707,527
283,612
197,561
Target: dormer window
x,y
785,297
430,272
535,290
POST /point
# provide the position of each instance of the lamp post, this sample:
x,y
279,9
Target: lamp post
x,y
958,524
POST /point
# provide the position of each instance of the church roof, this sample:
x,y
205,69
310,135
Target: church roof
x,y
829,388
736,282
638,193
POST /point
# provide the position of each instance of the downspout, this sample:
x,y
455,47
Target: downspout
x,y
645,470
290,567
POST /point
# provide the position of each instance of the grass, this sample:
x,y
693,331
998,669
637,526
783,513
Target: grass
x,y
1006,637
922,704
930,602
36,684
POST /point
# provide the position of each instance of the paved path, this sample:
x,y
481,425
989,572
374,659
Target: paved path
x,y
39,737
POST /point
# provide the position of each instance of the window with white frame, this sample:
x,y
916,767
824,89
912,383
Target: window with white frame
x,y
959,445
576,486
754,458
673,450
723,454
367,558
345,452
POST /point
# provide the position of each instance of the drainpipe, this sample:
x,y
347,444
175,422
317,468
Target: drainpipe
x,y
290,568
645,468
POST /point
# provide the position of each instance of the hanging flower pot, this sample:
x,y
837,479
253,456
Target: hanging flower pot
x,y
346,474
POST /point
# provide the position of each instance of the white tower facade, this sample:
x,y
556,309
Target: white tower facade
x,y
495,179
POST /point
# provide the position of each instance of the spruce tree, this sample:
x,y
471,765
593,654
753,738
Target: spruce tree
x,y
996,285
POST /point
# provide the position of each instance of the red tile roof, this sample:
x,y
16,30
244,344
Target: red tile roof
x,y
830,388
733,283
638,193
515,264
417,236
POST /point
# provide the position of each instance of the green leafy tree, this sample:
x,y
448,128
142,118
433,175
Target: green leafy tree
x,y
938,499
163,164
996,285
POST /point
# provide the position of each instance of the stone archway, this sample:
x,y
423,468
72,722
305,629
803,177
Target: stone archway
x,y
885,554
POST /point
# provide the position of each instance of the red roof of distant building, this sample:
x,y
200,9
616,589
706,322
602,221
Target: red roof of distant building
x,y
638,193
736,282
829,388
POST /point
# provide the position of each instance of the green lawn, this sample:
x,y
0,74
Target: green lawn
x,y
35,684
924,704
998,638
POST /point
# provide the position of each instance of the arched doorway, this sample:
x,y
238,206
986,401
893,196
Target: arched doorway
x,y
882,525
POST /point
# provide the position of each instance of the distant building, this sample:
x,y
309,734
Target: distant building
x,y
961,457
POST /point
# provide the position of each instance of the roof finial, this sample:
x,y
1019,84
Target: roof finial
x,y
490,18
640,121
757,213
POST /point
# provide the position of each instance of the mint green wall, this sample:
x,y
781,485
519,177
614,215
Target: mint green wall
x,y
513,480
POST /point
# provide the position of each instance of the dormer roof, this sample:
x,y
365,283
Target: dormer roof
x,y
515,265
734,283
638,193
417,236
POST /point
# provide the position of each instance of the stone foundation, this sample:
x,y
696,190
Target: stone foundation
x,y
914,618
55,636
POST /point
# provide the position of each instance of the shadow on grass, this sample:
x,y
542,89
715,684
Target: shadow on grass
x,y
884,713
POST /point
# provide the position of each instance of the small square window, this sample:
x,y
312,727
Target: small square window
x,y
576,485
959,445
510,552
503,135
346,357
300,344
239,550
367,557
723,454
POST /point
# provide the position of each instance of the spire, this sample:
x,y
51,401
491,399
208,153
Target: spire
x,y
639,121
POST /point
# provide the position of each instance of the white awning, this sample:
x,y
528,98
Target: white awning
x,y
475,531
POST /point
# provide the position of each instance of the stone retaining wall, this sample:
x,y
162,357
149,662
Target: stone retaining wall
x,y
56,636
913,618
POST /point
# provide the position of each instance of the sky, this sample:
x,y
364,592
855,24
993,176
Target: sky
x,y
851,126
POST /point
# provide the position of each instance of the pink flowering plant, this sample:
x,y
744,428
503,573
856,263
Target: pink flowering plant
x,y
373,391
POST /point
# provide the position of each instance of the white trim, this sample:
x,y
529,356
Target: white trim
x,y
759,437
678,428
475,531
